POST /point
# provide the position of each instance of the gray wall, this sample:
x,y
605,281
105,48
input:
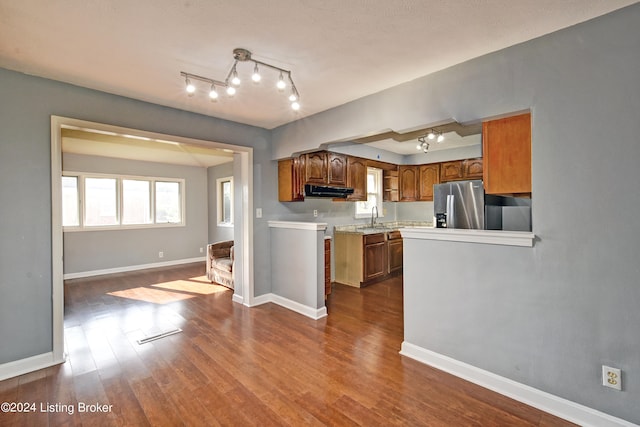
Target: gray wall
x,y
217,234
26,106
86,251
549,316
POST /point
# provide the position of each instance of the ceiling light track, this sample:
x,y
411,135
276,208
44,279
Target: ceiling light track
x,y
233,80
423,141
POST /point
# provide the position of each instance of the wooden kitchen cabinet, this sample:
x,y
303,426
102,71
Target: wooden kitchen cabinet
x,y
390,188
459,170
357,178
408,176
290,180
428,175
394,252
451,171
337,169
316,169
327,267
472,168
506,147
375,256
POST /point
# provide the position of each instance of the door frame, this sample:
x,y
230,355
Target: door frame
x,y
243,206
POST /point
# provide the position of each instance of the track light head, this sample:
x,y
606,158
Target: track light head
x,y
191,89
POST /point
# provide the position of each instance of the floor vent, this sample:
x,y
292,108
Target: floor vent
x,y
158,336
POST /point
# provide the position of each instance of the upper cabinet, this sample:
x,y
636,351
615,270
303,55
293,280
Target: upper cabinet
x,y
337,169
458,170
408,182
316,168
290,180
428,176
506,146
357,178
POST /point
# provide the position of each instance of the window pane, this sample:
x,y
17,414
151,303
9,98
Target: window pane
x,y
136,202
168,207
100,201
226,202
70,212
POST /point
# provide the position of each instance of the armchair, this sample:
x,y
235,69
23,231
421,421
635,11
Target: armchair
x,y
220,260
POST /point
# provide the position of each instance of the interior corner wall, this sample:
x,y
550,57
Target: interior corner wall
x,y
554,314
217,233
26,106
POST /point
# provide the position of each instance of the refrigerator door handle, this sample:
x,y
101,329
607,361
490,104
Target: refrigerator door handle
x,y
451,222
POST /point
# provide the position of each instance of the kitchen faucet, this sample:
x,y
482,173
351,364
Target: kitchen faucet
x,y
373,220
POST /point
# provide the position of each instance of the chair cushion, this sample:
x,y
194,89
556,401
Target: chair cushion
x,y
225,264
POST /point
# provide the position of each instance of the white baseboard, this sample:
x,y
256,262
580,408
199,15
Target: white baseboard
x,y
131,268
29,364
314,313
544,401
237,298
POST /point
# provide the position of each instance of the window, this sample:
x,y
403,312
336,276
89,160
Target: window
x,y
70,198
224,203
99,201
374,194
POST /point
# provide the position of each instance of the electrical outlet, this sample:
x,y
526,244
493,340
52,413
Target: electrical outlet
x,y
315,213
201,250
611,377
161,254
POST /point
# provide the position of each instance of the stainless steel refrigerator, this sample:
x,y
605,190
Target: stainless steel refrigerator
x,y
459,204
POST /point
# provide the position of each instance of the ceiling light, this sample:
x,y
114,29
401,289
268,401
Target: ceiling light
x,y
431,134
423,144
440,138
281,83
233,79
191,89
256,74
213,94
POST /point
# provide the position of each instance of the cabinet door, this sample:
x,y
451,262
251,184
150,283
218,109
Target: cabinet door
x,y
337,165
327,267
408,182
289,181
451,171
375,261
395,255
316,168
357,178
506,148
472,168
429,175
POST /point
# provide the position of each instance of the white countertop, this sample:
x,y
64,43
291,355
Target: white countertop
x,y
494,237
317,226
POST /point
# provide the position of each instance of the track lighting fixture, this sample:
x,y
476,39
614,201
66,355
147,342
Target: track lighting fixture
x,y
423,141
233,79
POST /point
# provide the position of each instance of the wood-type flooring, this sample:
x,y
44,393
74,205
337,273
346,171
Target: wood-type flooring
x,y
233,365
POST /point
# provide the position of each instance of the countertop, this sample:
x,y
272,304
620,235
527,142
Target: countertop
x,y
381,227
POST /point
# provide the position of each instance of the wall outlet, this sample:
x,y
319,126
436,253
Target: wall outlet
x,y
160,254
201,250
315,213
611,377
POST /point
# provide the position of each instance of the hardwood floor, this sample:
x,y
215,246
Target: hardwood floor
x,y
234,365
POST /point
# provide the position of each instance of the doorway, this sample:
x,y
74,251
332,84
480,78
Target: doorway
x,y
243,206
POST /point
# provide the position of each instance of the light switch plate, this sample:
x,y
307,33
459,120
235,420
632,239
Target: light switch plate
x,y
258,212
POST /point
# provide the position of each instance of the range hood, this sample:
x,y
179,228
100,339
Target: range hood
x,y
326,191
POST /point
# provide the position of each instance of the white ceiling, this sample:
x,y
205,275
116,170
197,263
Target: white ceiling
x,y
337,50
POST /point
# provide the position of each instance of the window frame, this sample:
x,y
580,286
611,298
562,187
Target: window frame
x,y
220,202
360,213
82,176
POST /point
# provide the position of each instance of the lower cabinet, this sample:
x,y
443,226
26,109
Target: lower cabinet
x,y
327,267
375,256
363,259
394,253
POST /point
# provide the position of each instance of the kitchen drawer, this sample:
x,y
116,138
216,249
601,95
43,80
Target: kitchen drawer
x,y
395,234
373,238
